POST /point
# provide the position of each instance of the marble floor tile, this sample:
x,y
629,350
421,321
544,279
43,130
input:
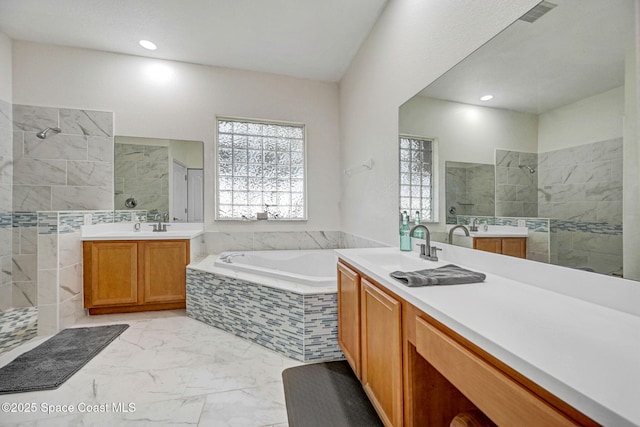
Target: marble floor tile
x,y
174,370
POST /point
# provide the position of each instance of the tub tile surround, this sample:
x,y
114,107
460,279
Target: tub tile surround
x,y
217,241
301,326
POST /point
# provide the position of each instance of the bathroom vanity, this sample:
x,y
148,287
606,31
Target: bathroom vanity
x,y
127,270
516,352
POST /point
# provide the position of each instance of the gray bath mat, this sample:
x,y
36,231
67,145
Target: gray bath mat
x,y
54,361
326,394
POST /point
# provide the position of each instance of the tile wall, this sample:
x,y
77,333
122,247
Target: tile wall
x,y
516,187
72,169
470,190
217,242
303,327
6,178
581,188
142,172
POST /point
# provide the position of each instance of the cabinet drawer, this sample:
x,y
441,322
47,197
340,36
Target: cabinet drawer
x,y
502,399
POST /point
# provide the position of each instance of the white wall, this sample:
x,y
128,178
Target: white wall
x,y
5,68
412,44
183,105
467,133
592,119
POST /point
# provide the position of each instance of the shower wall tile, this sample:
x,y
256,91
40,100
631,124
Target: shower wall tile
x,y
587,202
71,170
89,173
24,294
38,172
100,148
516,187
55,146
18,144
31,198
85,122
86,198
34,119
47,286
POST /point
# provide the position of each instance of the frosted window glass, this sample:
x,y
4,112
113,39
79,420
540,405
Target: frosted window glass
x,y
416,160
259,164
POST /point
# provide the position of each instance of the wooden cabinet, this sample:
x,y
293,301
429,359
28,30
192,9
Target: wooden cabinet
x,y
512,246
381,329
417,372
349,316
370,335
125,276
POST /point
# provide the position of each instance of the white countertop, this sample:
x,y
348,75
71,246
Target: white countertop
x,y
586,354
493,231
126,231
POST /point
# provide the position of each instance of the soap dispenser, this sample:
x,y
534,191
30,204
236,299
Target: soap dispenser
x,y
418,232
405,230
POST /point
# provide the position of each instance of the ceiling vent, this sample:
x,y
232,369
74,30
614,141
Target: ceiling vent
x,y
536,13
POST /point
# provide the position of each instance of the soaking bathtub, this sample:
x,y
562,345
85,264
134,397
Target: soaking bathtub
x,y
284,300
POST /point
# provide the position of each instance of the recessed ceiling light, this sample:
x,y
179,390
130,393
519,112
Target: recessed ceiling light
x,y
486,98
148,45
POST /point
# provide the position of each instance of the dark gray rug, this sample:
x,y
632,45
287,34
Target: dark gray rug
x,y
54,361
326,394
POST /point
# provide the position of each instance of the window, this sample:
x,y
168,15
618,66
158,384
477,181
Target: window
x,y
261,168
416,176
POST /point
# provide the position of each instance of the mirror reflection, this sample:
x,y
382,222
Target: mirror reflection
x,y
530,130
159,176
469,189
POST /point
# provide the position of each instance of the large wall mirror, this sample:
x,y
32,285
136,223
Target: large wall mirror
x,y
531,127
159,177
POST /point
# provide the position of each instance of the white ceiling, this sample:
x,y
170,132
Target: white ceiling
x,y
574,51
314,39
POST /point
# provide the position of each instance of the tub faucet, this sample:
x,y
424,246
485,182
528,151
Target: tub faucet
x,y
466,232
426,250
229,257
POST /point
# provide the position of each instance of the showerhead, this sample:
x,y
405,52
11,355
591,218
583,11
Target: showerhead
x,y
529,168
43,134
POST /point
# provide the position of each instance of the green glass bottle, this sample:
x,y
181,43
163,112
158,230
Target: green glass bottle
x,y
405,238
419,233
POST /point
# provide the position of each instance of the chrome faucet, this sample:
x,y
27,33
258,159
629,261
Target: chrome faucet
x,y
160,226
473,227
426,250
466,232
228,257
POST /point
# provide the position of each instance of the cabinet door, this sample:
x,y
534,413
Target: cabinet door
x,y
515,246
382,352
164,264
488,244
349,316
111,273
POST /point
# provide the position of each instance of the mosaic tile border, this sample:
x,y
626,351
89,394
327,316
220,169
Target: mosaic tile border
x,y
303,327
47,223
17,326
586,227
6,219
25,219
